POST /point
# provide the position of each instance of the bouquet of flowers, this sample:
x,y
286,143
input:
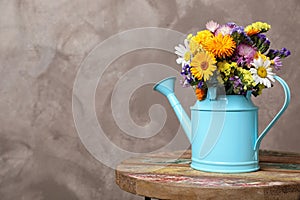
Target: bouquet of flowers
x,y
238,58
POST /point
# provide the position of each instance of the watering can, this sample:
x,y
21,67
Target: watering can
x,y
223,130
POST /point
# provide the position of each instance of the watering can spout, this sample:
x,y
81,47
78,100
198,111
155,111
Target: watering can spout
x,y
166,87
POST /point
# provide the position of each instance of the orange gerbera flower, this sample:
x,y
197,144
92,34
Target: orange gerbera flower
x,y
221,46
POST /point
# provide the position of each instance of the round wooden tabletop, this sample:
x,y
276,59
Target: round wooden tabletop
x,y
169,176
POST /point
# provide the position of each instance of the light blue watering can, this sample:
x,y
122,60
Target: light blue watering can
x,y
223,130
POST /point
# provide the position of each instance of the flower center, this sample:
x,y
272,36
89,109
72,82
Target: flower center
x,y
187,56
262,72
204,65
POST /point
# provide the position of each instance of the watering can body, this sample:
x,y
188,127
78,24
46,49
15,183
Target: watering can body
x,y
223,131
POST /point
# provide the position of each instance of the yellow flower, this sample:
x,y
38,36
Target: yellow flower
x,y
203,66
194,45
257,27
246,78
258,54
202,36
197,41
226,67
221,46
260,88
189,36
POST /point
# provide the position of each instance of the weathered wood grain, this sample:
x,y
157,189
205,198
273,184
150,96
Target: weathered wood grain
x,y
169,176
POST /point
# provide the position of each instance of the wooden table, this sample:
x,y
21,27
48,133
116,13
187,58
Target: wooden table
x,y
169,176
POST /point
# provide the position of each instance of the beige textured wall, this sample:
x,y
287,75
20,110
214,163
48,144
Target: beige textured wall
x,y
42,44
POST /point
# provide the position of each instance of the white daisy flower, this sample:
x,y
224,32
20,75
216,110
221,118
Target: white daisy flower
x,y
184,53
262,73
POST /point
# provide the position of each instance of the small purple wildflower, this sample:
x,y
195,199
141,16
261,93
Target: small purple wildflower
x,y
187,76
283,53
240,36
200,84
277,63
231,25
239,30
237,85
261,42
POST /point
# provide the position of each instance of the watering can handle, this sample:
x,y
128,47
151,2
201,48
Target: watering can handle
x,y
287,99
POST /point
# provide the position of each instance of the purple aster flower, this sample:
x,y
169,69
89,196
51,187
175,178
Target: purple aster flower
x,y
277,63
244,54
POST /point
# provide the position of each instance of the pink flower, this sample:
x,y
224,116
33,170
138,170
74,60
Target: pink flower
x,y
245,54
224,30
212,26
